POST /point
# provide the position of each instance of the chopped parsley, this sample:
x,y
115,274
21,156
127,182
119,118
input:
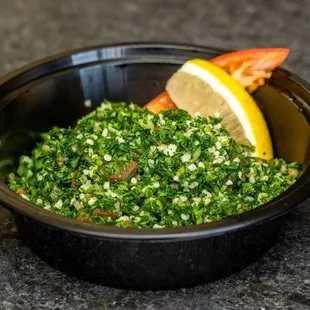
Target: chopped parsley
x,y
127,167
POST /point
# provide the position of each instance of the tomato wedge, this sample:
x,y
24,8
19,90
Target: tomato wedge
x,y
249,67
258,58
252,66
160,103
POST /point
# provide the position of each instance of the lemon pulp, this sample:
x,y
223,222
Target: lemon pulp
x,y
200,86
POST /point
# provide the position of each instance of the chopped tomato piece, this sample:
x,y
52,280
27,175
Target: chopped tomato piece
x,y
128,171
160,103
21,191
99,212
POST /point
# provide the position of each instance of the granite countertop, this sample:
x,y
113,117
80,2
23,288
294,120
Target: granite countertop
x,y
33,29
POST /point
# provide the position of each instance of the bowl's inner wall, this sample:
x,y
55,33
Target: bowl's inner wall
x,y
58,100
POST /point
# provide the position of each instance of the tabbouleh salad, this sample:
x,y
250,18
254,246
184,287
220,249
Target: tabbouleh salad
x,y
127,167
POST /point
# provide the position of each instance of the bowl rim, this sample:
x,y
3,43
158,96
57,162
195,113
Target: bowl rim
x,y
297,193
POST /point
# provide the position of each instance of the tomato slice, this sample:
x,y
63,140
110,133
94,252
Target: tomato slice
x,y
258,58
252,66
249,67
160,103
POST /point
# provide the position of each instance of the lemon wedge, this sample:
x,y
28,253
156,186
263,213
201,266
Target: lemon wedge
x,y
200,86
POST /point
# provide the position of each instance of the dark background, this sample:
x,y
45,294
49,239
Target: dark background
x,y
31,29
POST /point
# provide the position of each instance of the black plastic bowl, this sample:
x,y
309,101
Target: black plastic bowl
x,y
52,92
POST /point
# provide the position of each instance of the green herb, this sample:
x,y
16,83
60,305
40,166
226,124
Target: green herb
x,y
124,166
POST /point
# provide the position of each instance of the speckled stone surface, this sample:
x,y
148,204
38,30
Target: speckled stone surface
x,y
34,28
